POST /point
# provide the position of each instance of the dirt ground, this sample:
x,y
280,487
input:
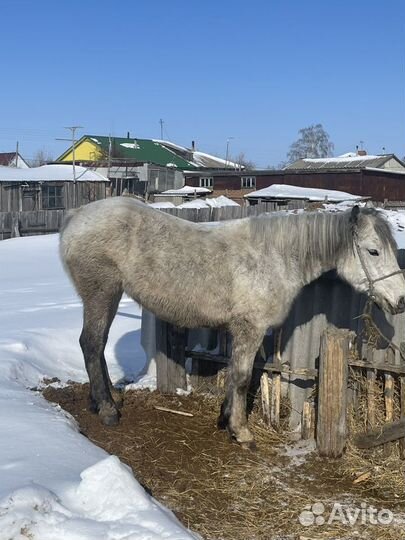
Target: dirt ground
x,y
213,486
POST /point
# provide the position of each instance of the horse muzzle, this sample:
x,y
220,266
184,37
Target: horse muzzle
x,y
400,307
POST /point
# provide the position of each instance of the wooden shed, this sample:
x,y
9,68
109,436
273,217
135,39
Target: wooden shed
x,y
50,187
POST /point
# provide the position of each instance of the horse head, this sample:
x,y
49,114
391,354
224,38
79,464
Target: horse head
x,y
370,264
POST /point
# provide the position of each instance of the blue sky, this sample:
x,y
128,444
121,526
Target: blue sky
x,y
256,71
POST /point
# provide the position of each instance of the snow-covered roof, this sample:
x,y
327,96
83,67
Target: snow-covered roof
x,y
162,204
200,159
221,201
186,190
214,202
50,173
349,160
207,160
285,191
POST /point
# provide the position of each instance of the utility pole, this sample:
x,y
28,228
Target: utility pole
x,y
16,155
73,141
227,151
161,122
73,130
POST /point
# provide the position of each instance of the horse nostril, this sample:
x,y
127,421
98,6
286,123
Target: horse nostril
x,y
401,303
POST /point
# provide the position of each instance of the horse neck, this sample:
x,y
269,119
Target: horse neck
x,y
309,243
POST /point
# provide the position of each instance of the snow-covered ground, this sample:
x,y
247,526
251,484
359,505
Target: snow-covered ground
x,y
54,483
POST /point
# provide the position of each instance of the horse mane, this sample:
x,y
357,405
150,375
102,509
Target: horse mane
x,y
315,236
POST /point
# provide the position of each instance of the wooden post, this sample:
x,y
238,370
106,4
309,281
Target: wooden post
x,y
308,420
15,226
265,395
170,358
402,400
371,383
332,393
275,400
389,406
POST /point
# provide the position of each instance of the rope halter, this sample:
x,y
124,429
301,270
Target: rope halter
x,y
370,280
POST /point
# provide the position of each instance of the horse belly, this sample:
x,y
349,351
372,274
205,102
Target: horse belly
x,y
180,310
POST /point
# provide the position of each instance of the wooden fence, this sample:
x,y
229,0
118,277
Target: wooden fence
x,y
324,415
14,224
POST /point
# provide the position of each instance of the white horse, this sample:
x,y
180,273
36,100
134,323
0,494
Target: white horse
x,y
242,274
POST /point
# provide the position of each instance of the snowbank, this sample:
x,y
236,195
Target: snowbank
x,y
54,483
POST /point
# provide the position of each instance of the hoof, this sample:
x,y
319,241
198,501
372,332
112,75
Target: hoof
x,y
109,415
248,445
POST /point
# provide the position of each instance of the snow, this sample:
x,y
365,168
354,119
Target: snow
x,y
186,190
345,158
54,483
221,201
134,145
215,202
396,218
162,204
285,191
50,173
392,171
201,159
204,160
195,203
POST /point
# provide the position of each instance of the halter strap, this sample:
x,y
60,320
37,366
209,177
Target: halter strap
x,y
370,292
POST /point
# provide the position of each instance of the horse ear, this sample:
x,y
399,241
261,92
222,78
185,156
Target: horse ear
x,y
354,216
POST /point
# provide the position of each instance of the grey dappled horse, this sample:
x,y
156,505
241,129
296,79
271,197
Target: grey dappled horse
x,y
242,274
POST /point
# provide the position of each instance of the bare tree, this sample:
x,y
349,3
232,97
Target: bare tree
x,y
242,161
42,157
313,142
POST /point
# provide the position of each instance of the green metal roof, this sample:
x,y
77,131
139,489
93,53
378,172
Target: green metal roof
x,y
137,150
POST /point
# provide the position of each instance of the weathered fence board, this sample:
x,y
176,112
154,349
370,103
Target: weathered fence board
x,y
382,435
170,357
332,392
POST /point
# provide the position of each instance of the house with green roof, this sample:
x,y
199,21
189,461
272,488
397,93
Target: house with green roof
x,y
136,166
139,166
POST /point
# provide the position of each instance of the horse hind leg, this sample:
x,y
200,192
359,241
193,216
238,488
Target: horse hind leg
x,y
233,417
99,311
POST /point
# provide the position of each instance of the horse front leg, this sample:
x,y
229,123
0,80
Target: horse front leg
x,y
98,315
246,342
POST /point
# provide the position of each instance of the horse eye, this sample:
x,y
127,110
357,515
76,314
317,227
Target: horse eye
x,y
373,252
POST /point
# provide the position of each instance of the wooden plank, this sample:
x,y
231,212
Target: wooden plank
x,y
332,392
402,413
371,406
259,364
308,420
382,435
170,358
389,406
265,397
379,366
275,400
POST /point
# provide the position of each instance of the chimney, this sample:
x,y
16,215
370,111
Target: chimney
x,y
361,152
128,137
193,146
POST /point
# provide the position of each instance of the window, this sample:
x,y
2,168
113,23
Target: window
x,y
248,182
206,181
52,197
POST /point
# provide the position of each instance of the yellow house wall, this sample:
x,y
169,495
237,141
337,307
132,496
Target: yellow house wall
x,y
85,151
